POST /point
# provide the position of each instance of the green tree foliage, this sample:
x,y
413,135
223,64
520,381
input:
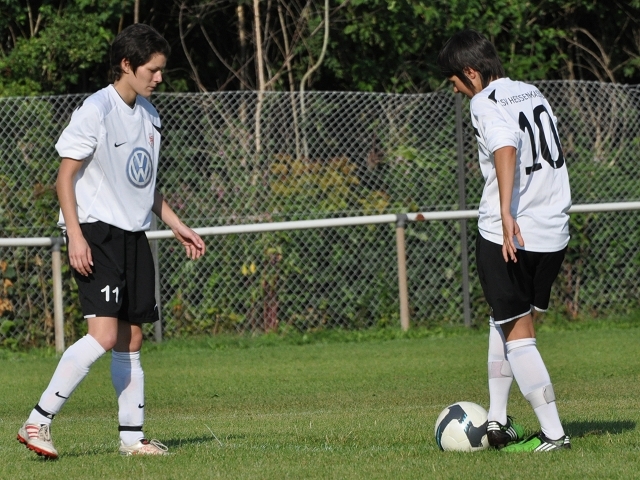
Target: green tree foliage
x,y
391,45
57,46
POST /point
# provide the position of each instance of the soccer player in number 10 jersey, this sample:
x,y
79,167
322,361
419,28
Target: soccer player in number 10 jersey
x,y
107,191
523,230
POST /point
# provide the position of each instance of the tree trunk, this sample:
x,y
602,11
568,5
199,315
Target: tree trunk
x,y
292,87
311,70
259,60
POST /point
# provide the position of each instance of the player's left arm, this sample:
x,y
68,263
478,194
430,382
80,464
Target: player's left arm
x,y
500,136
505,164
193,244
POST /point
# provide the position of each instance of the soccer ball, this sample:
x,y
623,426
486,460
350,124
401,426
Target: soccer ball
x,y
462,427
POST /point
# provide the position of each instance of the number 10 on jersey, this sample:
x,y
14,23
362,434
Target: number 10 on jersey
x,y
525,126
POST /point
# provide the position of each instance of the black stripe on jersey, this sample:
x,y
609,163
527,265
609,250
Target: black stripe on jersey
x,y
536,166
156,127
124,428
492,97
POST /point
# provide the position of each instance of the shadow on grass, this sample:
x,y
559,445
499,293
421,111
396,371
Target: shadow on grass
x,y
597,428
113,449
77,452
219,441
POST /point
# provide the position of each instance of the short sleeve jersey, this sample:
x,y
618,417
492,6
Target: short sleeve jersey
x,y
119,147
509,113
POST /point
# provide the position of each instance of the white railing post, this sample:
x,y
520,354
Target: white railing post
x,y
157,325
403,289
58,311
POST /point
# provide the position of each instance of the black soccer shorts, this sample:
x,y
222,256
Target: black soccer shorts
x,y
511,289
122,283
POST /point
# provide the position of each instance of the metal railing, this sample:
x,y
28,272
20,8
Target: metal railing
x,y
399,220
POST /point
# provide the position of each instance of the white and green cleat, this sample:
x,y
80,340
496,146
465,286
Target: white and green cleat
x,y
539,443
500,435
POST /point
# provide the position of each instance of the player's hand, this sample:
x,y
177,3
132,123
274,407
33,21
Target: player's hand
x,y
80,255
510,229
193,244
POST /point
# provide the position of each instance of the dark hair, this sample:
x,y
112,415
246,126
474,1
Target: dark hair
x,y
470,49
136,43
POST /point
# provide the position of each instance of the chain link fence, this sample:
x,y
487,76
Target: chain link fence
x,y
242,157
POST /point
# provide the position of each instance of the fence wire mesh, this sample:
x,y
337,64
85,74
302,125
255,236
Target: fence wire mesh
x,y
241,157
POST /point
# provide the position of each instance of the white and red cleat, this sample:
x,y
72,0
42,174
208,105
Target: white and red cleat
x,y
144,447
38,439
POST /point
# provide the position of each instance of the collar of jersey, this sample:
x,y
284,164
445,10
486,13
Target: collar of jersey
x,y
121,103
491,85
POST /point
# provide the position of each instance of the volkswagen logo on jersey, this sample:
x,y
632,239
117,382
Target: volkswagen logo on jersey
x,y
139,168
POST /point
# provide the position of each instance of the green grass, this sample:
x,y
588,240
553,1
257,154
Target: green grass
x,y
359,405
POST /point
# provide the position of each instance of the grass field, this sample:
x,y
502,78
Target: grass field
x,y
364,408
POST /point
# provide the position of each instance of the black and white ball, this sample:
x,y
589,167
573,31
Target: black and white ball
x,y
462,427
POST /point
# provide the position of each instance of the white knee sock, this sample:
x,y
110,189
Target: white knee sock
x,y
531,374
500,376
128,380
72,368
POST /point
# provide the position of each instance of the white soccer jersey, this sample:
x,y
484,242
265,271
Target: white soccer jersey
x,y
120,147
508,113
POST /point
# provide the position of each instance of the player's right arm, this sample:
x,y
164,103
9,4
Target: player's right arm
x,y
79,251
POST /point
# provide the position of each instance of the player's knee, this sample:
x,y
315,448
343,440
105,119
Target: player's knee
x,y
541,396
107,340
129,338
135,342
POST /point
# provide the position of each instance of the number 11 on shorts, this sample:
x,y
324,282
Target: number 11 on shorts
x,y
106,291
